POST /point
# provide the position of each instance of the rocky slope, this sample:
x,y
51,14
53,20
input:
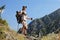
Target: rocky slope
x,y
45,25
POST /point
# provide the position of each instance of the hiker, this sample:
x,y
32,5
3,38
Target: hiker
x,y
24,18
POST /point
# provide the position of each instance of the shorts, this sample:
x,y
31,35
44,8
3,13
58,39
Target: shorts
x,y
24,24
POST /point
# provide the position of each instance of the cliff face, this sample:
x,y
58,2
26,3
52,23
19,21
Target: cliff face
x,y
45,25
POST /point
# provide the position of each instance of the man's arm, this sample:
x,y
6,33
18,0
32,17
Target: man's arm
x,y
29,18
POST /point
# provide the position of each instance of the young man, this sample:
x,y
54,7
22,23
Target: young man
x,y
24,18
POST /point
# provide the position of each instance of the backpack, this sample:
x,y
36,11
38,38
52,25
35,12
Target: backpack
x,y
18,17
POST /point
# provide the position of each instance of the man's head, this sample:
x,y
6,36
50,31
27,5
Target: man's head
x,y
24,7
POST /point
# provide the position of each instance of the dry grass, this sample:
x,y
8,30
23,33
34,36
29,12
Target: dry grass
x,y
12,33
51,36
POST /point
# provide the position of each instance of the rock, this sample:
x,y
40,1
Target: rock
x,y
45,25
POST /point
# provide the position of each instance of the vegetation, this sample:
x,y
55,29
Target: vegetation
x,y
51,36
3,22
7,34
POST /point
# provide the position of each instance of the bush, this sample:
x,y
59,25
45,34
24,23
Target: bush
x,y
3,22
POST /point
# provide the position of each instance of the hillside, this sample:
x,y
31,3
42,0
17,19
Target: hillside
x,y
45,25
7,34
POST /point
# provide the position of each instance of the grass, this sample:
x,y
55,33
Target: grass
x,y
5,29
51,36
4,22
12,33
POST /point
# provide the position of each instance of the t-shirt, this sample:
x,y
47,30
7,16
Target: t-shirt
x,y
24,17
23,11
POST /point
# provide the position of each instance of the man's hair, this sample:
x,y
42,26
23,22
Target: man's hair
x,y
24,7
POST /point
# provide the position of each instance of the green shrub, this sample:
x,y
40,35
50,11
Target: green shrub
x,y
4,22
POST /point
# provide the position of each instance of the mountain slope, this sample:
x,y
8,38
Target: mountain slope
x,y
7,34
45,25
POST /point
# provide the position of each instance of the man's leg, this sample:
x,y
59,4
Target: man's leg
x,y
24,31
26,27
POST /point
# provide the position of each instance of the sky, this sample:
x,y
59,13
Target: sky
x,y
35,9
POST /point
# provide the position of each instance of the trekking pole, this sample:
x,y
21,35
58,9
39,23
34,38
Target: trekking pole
x,y
18,27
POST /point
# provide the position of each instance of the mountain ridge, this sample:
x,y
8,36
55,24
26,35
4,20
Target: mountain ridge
x,y
45,25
